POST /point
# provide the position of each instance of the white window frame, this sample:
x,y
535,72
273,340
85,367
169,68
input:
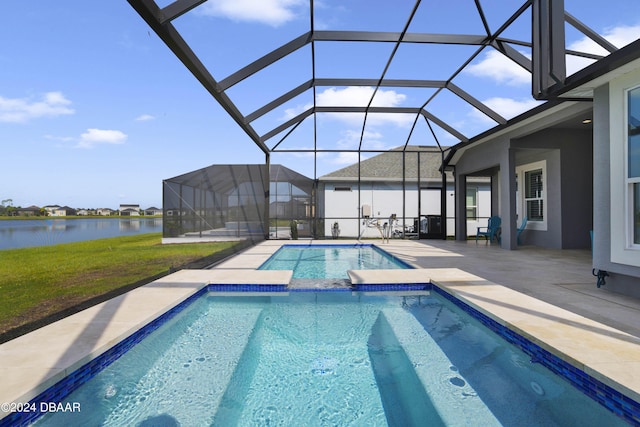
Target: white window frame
x,y
623,250
474,206
522,207
629,199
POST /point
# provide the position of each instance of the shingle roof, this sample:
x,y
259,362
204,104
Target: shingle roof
x,y
389,165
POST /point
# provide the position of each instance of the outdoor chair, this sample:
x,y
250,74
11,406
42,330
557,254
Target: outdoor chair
x,y
492,230
521,228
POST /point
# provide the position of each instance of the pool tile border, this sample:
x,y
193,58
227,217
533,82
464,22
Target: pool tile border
x,y
377,287
63,388
621,405
375,247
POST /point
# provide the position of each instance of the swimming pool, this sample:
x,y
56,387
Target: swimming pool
x,y
327,358
331,261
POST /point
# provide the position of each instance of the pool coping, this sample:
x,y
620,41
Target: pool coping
x,y
606,354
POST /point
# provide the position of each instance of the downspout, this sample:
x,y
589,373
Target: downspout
x,y
443,195
404,192
443,200
359,200
267,196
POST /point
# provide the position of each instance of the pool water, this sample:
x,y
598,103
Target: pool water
x,y
327,358
330,261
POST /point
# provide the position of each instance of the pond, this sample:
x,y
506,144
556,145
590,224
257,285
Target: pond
x,y
53,231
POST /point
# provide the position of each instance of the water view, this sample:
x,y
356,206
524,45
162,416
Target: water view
x,y
53,231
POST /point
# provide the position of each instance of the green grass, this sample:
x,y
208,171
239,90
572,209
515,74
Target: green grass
x,y
37,282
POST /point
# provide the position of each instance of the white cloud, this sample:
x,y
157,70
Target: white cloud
x,y
270,12
22,110
93,137
358,96
501,69
618,36
497,67
506,107
345,158
623,35
145,118
350,140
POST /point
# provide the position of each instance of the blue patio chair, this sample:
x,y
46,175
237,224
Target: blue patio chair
x,y
521,228
492,230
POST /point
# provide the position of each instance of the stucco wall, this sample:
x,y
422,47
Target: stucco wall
x,y
568,158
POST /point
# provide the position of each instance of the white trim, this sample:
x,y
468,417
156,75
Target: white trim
x,y
622,249
521,208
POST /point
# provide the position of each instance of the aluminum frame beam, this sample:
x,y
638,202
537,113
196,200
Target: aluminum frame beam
x,y
150,12
177,9
547,65
548,56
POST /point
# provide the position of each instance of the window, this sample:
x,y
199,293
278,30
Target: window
x,y
624,169
534,203
633,164
472,204
531,194
341,188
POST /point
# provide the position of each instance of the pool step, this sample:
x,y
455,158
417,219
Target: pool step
x,y
456,402
231,404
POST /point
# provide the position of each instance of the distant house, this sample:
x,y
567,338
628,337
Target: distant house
x,y
63,211
49,209
29,211
104,211
384,183
153,211
129,210
84,212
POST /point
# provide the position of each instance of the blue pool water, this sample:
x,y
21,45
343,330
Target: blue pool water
x,y
330,261
327,358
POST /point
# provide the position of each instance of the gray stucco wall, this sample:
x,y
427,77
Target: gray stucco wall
x,y
569,157
485,159
569,193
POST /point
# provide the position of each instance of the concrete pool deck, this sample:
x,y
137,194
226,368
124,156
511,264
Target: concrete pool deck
x,y
547,296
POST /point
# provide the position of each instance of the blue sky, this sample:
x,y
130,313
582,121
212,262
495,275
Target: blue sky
x,y
96,111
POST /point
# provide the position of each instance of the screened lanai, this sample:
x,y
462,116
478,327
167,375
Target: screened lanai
x,y
316,85
223,202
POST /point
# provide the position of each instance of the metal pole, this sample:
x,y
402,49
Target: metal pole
x,y
266,196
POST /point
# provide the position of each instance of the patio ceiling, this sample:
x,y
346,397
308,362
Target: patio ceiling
x,y
399,52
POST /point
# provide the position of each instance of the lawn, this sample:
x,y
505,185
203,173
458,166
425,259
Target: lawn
x,y
38,282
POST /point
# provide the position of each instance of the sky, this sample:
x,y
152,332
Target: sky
x,y
96,111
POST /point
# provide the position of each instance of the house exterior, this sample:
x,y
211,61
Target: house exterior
x,y
129,210
63,211
49,209
153,211
572,166
409,186
28,211
540,165
104,211
614,85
